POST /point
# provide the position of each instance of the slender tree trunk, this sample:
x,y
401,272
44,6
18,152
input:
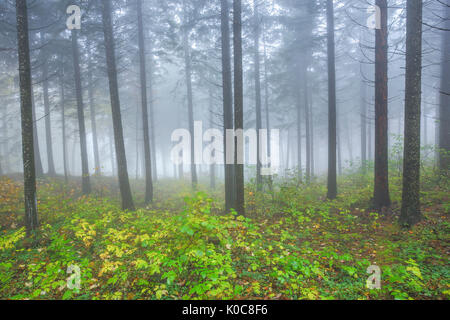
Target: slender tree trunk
x,y
124,183
444,98
48,127
93,116
151,112
37,152
63,122
381,190
307,126
188,68
212,167
85,181
410,212
143,73
31,215
6,164
339,149
332,183
227,104
266,105
238,105
299,139
111,151
363,116
312,136
257,96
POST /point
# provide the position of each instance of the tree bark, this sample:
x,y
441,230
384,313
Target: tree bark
x,y
257,96
48,127
238,105
410,212
444,98
85,181
227,103
93,116
37,152
332,183
143,74
63,122
124,183
188,70
31,214
381,189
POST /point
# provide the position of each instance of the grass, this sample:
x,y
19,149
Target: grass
x,y
293,243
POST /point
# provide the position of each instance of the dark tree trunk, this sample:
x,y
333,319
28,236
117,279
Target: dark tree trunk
x,y
143,70
85,181
381,189
48,127
266,106
31,218
227,103
238,105
444,98
188,69
332,183
257,97
410,212
124,183
93,116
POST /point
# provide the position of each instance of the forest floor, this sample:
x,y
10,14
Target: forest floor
x,y
292,244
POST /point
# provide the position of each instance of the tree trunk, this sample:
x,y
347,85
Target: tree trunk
x,y
227,103
238,105
143,73
31,219
299,139
188,69
48,127
332,183
124,183
85,181
257,97
444,99
363,116
410,212
152,116
63,122
37,152
92,116
6,153
307,125
212,167
381,189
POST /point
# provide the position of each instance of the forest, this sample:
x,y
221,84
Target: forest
x,y
224,149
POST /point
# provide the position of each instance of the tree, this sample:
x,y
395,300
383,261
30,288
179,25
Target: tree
x,y
238,106
444,96
124,183
85,181
258,96
188,70
332,183
410,212
31,214
148,164
92,113
381,189
227,102
48,128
